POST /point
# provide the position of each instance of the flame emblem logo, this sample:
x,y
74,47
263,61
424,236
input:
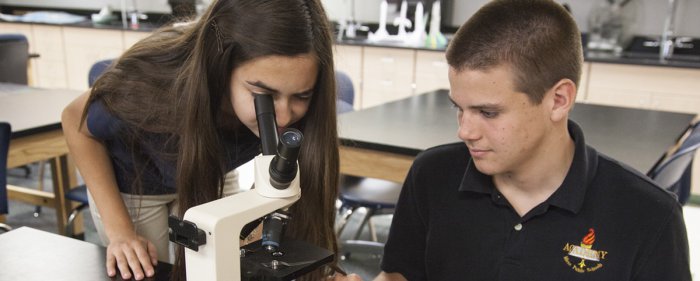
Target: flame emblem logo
x,y
577,255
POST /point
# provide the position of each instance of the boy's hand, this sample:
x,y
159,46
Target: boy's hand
x,y
341,277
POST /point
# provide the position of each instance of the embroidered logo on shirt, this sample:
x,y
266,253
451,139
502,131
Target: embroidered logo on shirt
x,y
583,258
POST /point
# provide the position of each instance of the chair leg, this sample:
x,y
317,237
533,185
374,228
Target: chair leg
x,y
4,227
71,219
365,219
27,171
42,171
344,217
372,230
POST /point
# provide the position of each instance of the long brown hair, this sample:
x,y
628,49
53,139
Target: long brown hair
x,y
174,83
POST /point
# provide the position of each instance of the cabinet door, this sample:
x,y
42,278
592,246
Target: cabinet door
x,y
26,30
131,37
51,65
582,94
21,28
620,97
675,102
348,59
431,71
651,87
84,47
387,75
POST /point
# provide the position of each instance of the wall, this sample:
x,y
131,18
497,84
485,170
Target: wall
x,y
154,6
650,19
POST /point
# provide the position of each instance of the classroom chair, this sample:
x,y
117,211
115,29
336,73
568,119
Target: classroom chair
x,y
79,194
674,171
5,132
375,196
14,58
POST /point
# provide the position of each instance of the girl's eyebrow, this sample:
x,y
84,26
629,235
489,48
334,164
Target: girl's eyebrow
x,y
271,90
262,85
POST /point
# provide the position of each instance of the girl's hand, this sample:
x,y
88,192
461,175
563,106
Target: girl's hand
x,y
131,253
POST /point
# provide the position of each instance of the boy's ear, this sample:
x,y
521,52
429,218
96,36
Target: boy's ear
x,y
564,97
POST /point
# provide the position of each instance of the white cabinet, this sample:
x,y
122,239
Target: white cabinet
x,y
650,87
583,83
88,46
387,75
431,71
131,37
67,53
23,29
51,65
348,59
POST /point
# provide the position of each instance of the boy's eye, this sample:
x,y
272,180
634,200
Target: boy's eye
x,y
489,114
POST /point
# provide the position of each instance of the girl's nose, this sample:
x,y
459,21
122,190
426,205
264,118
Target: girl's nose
x,y
283,113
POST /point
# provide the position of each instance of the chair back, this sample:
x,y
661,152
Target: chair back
x,y
346,92
5,132
674,173
14,58
97,69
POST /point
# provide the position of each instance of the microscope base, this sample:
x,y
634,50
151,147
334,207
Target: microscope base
x,y
298,259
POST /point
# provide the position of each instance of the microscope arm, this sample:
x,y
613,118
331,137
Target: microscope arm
x,y
222,220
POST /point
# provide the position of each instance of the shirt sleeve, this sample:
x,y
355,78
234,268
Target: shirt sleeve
x,y
101,123
404,251
667,258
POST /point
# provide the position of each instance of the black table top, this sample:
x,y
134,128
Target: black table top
x,y
634,136
33,255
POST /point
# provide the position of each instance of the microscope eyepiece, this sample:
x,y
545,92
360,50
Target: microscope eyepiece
x,y
283,168
292,137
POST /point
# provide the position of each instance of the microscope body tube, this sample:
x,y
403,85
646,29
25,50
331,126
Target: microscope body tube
x,y
267,125
267,128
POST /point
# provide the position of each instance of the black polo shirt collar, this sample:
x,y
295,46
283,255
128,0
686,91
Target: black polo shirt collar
x,y
569,195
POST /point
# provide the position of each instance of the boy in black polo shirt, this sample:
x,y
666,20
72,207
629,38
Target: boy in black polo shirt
x,y
525,198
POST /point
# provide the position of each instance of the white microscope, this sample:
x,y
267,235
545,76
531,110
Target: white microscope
x,y
210,232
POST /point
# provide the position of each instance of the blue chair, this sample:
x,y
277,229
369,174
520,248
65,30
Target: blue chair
x,y
674,171
5,132
376,196
14,57
346,92
79,193
97,69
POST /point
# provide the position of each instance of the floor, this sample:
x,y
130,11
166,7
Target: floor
x,y
366,265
